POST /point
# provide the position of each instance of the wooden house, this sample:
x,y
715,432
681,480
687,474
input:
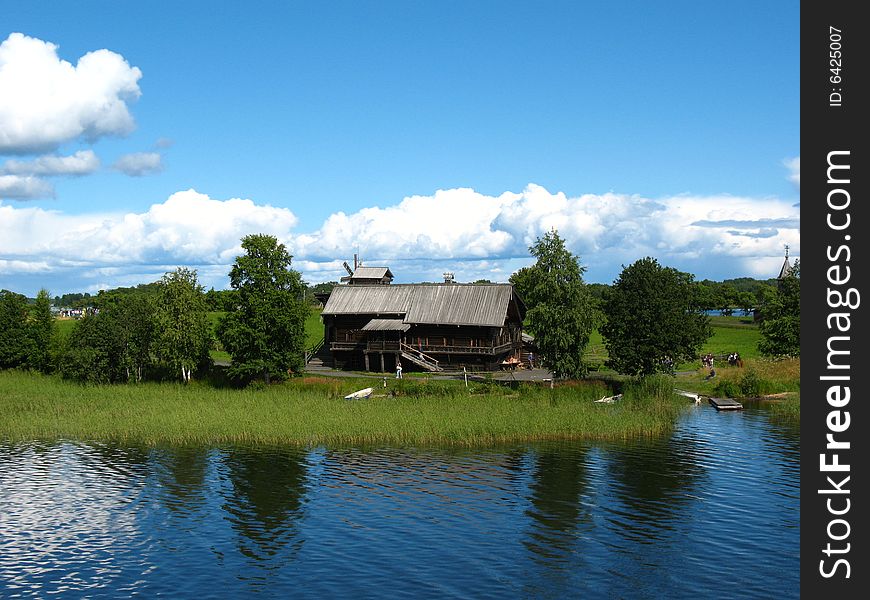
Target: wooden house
x,y
425,326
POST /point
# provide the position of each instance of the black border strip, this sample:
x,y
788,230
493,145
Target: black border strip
x,y
833,132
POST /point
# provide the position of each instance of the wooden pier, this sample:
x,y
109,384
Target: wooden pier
x,y
725,404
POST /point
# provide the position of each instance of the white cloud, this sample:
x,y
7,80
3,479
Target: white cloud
x,y
46,101
82,162
794,167
460,230
24,187
139,164
188,228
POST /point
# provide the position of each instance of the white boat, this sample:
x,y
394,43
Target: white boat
x,y
609,399
692,395
360,394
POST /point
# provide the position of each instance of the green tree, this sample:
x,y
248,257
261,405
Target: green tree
x,y
41,328
781,316
653,319
92,354
181,316
561,314
138,332
265,333
16,343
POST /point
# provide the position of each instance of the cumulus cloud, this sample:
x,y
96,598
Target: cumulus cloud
x,y
794,170
46,101
82,162
139,164
460,230
24,188
173,232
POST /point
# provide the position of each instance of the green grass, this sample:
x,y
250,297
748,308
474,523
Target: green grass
x,y
313,328
309,411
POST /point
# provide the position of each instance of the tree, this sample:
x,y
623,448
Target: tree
x,y
265,334
93,351
654,319
41,328
16,343
138,333
113,345
183,332
561,314
781,316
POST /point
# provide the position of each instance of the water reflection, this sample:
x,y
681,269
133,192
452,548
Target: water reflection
x,y
266,501
559,481
545,520
181,472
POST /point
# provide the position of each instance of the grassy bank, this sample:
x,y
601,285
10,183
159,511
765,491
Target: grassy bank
x,y
775,381
312,411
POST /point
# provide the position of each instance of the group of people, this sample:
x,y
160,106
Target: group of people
x,y
734,359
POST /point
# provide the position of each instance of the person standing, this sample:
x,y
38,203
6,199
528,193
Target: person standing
x,y
398,369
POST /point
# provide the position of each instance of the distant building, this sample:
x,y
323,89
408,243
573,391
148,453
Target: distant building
x,y
369,276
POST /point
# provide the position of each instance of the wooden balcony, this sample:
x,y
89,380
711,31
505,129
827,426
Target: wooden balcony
x,y
393,346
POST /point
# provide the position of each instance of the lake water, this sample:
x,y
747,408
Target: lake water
x,y
711,511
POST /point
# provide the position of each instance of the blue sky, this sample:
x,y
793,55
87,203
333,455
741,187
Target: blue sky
x,y
429,136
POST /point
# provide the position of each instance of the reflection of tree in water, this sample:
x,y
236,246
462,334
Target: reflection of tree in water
x,y
559,480
181,472
268,490
654,479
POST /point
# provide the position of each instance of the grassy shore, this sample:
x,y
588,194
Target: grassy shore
x,y
310,411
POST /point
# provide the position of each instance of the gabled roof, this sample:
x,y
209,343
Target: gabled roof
x,y
371,273
434,304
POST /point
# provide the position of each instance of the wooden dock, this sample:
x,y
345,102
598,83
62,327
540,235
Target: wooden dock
x,y
725,404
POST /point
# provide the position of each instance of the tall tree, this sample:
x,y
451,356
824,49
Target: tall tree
x,y
41,327
781,316
183,332
16,344
654,319
561,314
265,333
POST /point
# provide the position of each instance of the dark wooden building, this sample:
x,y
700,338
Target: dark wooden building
x,y
425,326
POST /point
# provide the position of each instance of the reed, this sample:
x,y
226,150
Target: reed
x,y
311,411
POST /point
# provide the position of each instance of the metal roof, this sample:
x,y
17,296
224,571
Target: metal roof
x,y
386,325
482,305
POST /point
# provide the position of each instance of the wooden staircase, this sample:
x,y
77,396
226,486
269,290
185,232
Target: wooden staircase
x,y
417,357
318,357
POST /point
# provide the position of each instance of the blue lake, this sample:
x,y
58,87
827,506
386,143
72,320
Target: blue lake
x,y
712,510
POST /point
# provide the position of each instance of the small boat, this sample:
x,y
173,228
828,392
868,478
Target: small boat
x,y
692,395
360,394
609,399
